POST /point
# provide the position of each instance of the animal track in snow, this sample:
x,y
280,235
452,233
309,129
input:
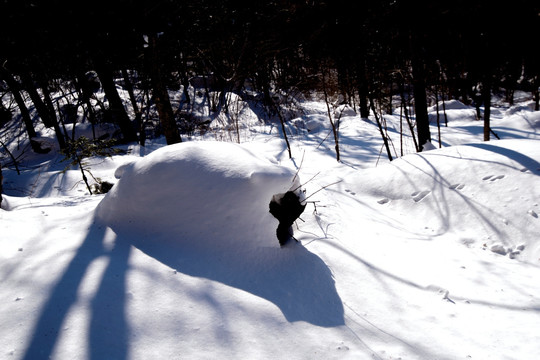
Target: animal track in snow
x,y
456,187
419,195
350,192
493,177
384,201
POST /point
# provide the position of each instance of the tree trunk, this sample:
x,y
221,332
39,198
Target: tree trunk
x,y
420,104
60,136
160,94
385,139
116,106
41,108
184,78
486,97
332,123
1,179
48,117
536,93
419,89
136,109
363,91
406,113
25,114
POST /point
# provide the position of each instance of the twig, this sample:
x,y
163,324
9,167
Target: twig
x,y
300,167
313,177
324,187
323,140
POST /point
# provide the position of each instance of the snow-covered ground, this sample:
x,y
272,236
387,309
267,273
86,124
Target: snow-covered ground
x,y
434,255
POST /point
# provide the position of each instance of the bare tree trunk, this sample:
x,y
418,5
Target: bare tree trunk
x,y
438,116
48,117
363,95
536,93
282,121
41,108
184,78
1,179
116,106
383,135
136,109
160,94
406,113
25,114
486,97
332,123
419,91
420,106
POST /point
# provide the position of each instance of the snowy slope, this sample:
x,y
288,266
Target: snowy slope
x,y
431,256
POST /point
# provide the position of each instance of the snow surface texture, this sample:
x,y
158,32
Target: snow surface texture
x,y
431,256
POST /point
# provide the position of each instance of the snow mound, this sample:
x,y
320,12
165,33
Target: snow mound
x,y
450,105
449,193
198,191
315,122
343,111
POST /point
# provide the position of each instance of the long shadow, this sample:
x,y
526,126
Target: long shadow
x,y
108,329
298,282
528,163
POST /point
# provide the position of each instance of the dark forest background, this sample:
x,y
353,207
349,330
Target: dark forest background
x,y
361,52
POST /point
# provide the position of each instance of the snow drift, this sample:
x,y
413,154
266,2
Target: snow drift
x,y
201,191
203,209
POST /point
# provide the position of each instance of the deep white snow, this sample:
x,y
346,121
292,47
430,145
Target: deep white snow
x,y
434,255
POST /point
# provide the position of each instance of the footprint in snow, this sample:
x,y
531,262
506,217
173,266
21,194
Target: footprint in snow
x,y
419,195
384,201
456,187
492,177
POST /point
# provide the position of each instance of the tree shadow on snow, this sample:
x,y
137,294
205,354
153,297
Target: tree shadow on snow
x,y
107,329
297,281
528,163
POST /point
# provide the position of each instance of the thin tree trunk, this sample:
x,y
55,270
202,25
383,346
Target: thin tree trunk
x,y
84,98
438,116
116,107
136,109
1,179
486,97
282,121
401,130
48,117
160,94
419,91
385,139
60,136
25,114
536,93
184,78
420,106
332,123
41,108
406,113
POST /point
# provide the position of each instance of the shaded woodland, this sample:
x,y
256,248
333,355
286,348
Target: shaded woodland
x,y
362,54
